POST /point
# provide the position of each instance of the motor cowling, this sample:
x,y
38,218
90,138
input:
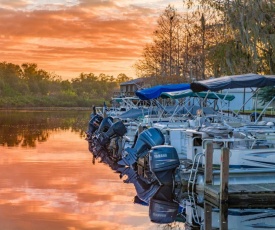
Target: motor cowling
x,y
146,140
117,129
163,160
94,124
105,124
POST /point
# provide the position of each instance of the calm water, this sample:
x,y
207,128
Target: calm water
x,y
48,179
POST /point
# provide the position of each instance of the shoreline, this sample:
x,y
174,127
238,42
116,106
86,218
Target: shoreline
x,y
48,108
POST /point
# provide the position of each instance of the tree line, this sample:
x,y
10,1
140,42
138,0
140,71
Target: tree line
x,y
29,86
211,38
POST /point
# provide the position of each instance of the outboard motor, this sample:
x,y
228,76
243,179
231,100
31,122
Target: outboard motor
x,y
93,113
105,124
162,208
94,124
117,129
146,140
144,190
163,161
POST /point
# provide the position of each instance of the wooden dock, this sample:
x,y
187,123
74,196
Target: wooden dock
x,y
243,195
238,195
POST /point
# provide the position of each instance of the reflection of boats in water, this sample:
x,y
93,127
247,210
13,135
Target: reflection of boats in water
x,y
204,216
166,163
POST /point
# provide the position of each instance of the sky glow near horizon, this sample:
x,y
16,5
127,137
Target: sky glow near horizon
x,y
69,37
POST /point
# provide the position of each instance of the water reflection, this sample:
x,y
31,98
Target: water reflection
x,y
52,183
27,128
206,216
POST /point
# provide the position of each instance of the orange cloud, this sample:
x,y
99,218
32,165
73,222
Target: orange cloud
x,y
71,37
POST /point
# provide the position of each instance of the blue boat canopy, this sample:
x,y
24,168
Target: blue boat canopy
x,y
234,81
154,92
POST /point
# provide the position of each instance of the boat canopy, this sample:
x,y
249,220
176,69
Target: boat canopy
x,y
154,92
234,81
190,93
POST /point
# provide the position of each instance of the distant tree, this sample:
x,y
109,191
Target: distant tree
x,y
122,78
162,57
266,94
249,25
11,80
37,79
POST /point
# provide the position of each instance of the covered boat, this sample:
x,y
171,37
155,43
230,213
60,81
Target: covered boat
x,y
155,92
234,81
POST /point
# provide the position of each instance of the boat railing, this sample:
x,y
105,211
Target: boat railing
x,y
264,141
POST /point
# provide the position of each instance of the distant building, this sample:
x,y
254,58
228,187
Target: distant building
x,y
129,88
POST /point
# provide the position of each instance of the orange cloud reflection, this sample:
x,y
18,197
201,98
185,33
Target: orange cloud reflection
x,y
56,186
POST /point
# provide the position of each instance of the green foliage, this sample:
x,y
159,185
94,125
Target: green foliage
x,y
28,86
266,94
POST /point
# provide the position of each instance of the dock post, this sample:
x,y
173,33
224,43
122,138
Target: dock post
x,y
207,216
208,171
224,173
223,216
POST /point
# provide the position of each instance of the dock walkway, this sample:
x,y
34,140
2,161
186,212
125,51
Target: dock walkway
x,y
235,195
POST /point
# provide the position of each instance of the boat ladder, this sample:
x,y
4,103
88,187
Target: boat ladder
x,y
193,173
195,216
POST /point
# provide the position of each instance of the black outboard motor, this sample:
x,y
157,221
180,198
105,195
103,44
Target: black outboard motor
x,y
163,161
93,125
144,190
117,129
105,124
146,140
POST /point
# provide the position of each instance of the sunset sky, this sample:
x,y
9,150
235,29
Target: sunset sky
x,y
69,37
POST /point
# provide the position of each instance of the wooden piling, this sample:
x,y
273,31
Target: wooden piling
x,y
208,171
223,216
224,174
207,216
